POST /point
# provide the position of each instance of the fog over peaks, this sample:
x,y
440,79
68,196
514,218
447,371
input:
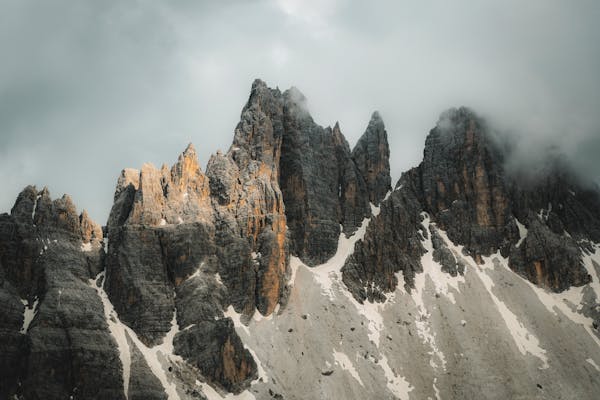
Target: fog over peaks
x,y
88,88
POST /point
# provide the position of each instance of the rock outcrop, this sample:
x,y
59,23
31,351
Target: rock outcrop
x,y
391,244
462,184
372,157
55,340
324,184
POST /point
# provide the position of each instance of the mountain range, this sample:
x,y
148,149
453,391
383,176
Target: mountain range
x,y
291,268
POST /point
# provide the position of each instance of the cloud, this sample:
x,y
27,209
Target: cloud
x,y
88,88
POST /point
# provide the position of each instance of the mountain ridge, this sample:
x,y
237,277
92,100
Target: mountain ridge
x,y
287,193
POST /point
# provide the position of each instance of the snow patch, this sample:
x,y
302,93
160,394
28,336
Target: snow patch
x,y
593,364
441,280
35,206
375,210
343,361
442,283
436,390
116,330
28,314
325,274
522,232
397,384
372,312
156,357
218,279
526,342
86,247
262,374
568,299
197,272
236,318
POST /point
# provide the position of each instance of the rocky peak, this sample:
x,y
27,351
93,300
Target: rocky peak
x,y
186,173
463,181
24,207
149,198
258,134
372,157
90,230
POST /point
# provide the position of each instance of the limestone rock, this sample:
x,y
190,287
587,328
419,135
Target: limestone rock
x,y
63,348
322,186
463,185
391,244
372,157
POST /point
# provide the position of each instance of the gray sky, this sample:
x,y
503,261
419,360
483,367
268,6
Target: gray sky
x,y
90,87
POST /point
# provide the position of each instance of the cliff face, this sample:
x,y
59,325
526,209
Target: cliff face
x,y
462,185
51,345
159,303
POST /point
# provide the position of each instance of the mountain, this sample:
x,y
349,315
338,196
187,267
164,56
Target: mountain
x,y
291,269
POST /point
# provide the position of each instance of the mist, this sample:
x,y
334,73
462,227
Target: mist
x,y
88,88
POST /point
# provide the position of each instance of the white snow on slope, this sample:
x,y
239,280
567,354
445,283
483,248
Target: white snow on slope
x,y
236,317
262,374
329,273
526,342
397,384
116,330
522,232
197,272
28,314
593,364
375,210
325,274
568,299
156,357
588,263
85,247
443,281
343,361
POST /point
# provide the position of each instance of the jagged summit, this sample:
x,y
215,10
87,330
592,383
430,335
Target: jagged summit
x,y
289,268
372,154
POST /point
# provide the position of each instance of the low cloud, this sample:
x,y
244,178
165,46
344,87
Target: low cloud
x,y
88,88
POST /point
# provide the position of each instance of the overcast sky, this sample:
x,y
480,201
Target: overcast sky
x,y
90,87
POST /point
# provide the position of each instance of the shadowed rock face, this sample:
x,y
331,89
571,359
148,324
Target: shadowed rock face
x,y
324,184
463,186
371,156
47,255
392,244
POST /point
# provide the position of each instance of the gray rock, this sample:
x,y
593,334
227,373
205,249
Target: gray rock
x,y
372,157
392,243
66,350
218,352
143,385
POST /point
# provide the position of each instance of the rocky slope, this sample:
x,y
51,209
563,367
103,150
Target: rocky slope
x,y
291,269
